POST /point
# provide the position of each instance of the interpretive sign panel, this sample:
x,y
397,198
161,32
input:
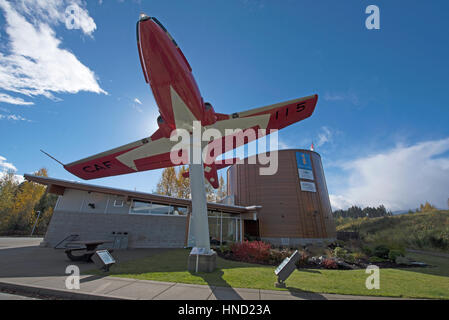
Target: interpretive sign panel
x,y
103,259
105,256
308,186
287,266
305,174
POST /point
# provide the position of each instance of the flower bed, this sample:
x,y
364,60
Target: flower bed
x,y
331,257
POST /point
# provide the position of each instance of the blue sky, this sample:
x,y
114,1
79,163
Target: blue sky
x,y
381,122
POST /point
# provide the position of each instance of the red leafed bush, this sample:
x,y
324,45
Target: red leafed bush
x,y
329,264
251,251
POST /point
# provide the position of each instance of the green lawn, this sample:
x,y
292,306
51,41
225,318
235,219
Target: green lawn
x,y
170,266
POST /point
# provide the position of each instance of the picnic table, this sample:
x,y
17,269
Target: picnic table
x,y
86,247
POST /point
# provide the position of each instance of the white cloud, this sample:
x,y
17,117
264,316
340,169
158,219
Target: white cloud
x,y
324,136
6,165
136,105
69,12
6,98
35,63
9,167
339,202
349,96
13,117
400,178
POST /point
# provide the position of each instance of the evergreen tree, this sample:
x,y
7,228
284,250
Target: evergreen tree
x,y
355,212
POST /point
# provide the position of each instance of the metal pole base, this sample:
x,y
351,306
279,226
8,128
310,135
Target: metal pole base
x,y
202,262
278,284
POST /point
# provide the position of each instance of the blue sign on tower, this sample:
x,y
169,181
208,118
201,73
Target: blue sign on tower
x,y
303,160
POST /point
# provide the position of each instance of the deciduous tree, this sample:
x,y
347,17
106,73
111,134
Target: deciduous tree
x,y
21,216
168,183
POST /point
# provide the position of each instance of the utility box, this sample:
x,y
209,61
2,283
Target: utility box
x,y
119,240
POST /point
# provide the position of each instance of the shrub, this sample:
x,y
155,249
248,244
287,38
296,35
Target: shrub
x,y
315,250
393,254
435,242
376,259
251,251
340,252
367,250
359,256
402,260
381,251
350,258
329,264
277,256
303,259
225,248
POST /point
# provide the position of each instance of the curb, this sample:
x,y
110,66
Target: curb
x,y
55,293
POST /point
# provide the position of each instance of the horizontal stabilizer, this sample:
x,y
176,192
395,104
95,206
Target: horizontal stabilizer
x,y
210,171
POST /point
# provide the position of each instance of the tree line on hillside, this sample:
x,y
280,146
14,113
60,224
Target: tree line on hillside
x,y
173,184
20,204
358,212
426,207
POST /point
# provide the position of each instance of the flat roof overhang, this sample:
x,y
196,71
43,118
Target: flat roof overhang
x,y
57,186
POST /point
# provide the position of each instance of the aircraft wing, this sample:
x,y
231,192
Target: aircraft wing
x,y
283,114
141,155
154,152
276,116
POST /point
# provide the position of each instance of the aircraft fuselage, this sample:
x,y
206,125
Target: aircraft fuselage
x,y
165,68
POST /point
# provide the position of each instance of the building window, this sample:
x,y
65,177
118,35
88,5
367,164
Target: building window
x,y
180,211
157,208
118,203
224,228
213,213
154,208
140,207
215,230
229,230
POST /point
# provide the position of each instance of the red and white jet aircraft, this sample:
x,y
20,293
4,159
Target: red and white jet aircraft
x,y
180,103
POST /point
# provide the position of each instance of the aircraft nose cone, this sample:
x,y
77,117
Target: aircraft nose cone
x,y
143,17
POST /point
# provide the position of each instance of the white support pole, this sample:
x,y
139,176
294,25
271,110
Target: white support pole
x,y
199,219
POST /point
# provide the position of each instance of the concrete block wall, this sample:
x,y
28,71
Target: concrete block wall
x,y
144,231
